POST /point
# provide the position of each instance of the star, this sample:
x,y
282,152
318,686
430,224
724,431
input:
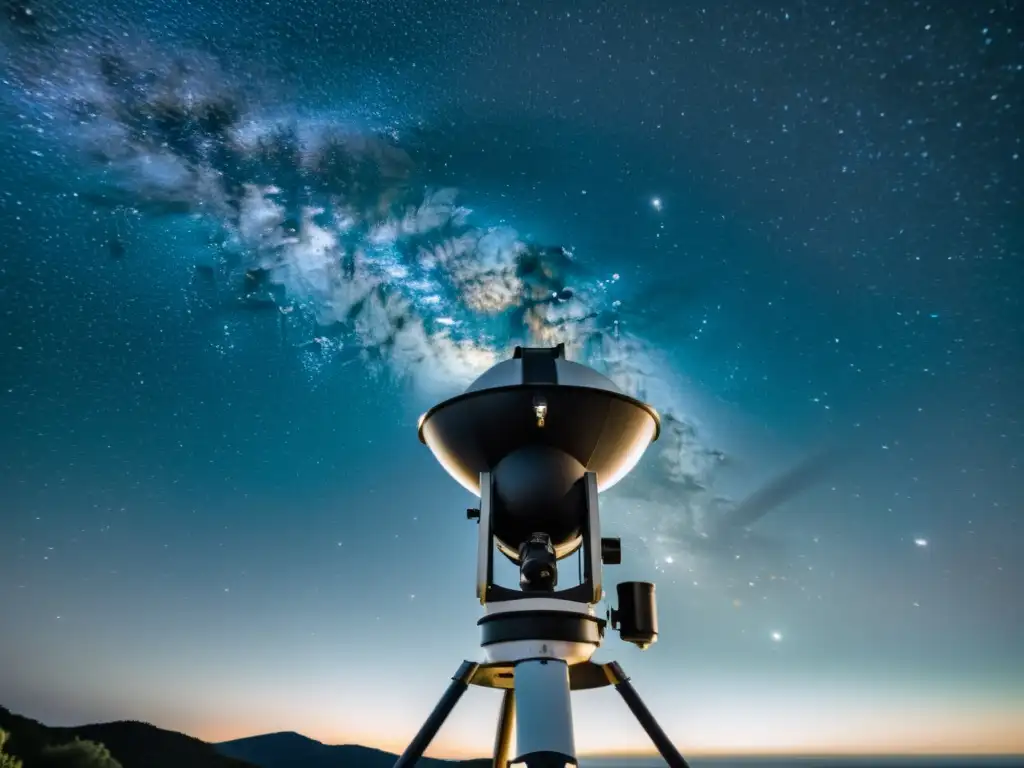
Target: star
x,y
656,203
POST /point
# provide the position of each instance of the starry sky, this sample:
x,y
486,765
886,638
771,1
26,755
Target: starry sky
x,y
246,245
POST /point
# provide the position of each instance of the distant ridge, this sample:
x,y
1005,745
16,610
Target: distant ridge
x,y
136,744
293,750
141,745
133,744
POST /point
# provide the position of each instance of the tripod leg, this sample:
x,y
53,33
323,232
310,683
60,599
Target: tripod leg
x,y
506,721
636,705
426,734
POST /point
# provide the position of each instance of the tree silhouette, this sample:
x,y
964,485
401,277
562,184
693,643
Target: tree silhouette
x,y
7,761
78,754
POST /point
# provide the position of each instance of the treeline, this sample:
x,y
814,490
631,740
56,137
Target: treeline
x,y
120,744
72,754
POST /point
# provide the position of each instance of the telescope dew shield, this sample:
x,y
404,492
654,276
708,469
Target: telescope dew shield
x,y
603,429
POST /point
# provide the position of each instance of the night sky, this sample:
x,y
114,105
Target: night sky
x,y
247,244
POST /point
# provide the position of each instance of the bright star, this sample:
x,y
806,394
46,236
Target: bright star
x,y
656,203
921,542
777,637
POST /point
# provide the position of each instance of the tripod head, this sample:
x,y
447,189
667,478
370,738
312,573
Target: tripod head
x,y
537,438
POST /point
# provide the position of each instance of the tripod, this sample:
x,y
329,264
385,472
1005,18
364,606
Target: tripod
x,y
531,437
545,737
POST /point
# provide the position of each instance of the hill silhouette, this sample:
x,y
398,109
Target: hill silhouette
x,y
293,750
134,744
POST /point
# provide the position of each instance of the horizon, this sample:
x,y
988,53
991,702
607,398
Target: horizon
x,y
1015,749
995,733
991,731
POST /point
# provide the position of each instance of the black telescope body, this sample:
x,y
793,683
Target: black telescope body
x,y
538,422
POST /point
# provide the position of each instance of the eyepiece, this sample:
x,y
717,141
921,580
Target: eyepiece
x,y
637,616
538,566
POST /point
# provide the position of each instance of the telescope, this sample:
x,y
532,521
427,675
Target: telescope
x,y
536,439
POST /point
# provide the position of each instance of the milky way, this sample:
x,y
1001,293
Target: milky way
x,y
329,223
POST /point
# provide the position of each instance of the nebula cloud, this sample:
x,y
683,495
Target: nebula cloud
x,y
328,224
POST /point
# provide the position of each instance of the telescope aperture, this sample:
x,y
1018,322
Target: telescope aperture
x,y
538,398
